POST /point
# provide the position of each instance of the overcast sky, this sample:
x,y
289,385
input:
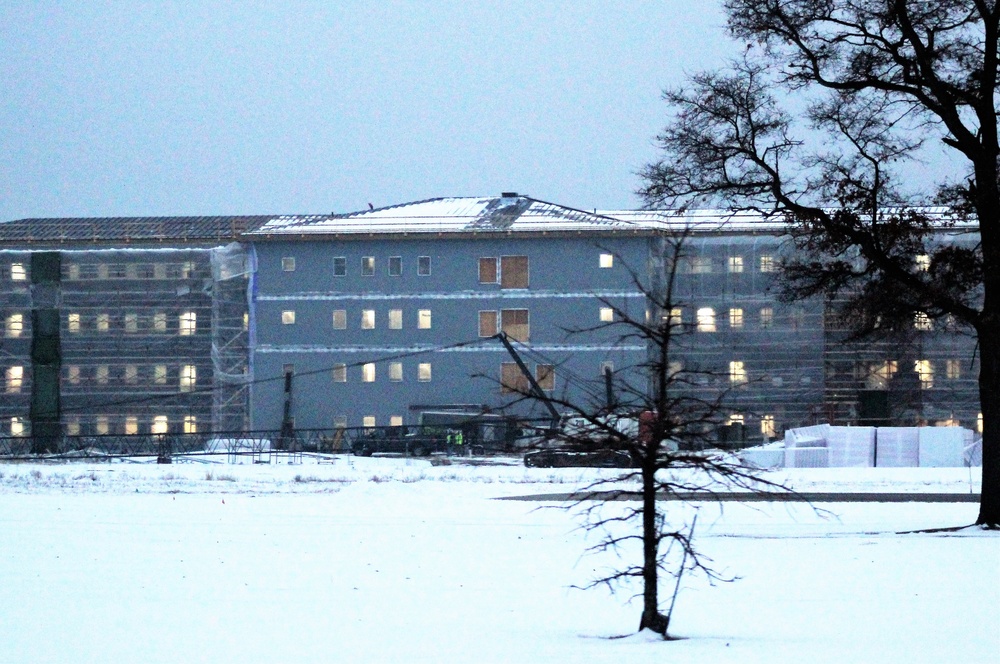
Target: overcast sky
x,y
186,108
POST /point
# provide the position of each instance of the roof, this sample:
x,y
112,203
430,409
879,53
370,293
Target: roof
x,y
129,229
508,213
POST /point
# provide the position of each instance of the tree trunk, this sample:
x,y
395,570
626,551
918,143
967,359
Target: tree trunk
x,y
651,617
989,397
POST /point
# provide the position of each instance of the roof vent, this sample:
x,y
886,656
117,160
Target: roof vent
x,y
509,194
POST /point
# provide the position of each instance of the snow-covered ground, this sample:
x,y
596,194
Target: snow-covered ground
x,y
395,560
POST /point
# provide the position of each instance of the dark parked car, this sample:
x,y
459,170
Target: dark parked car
x,y
410,441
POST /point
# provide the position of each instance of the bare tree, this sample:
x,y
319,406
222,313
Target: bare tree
x,y
657,415
875,81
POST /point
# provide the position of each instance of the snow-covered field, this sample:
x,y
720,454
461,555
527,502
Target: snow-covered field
x,y
394,560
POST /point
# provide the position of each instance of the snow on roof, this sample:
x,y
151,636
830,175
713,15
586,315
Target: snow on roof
x,y
112,229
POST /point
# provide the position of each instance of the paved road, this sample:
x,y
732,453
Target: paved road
x,y
811,497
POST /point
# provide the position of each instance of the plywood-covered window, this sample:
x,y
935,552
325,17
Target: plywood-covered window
x,y
488,270
545,376
513,272
514,322
488,323
512,381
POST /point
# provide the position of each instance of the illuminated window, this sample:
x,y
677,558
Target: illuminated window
x,y
73,272
190,424
767,426
736,418
922,321
368,421
423,266
160,322
340,373
16,426
73,374
17,272
979,422
545,376
424,319
339,266
368,319
131,425
73,323
340,422
395,420
953,369
766,317
246,321
706,319
131,323
737,372
160,374
288,264
396,371
102,426
368,266
188,323
15,379
925,373
676,316
767,263
395,266
103,322
488,323
102,374
424,372
73,426
187,269
288,317
607,260
514,322
15,325
188,377
395,319
736,318
368,372
160,424
735,263
131,374
340,319
923,262
607,314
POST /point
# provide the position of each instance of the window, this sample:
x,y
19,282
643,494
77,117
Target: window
x,y
706,319
188,377
953,369
488,272
131,425
160,322
340,422
15,325
878,375
339,266
103,322
735,264
160,374
515,323
767,263
73,374
340,373
368,421
737,418
15,379
766,317
606,367
607,315
340,319
159,270
131,323
767,427
73,323
368,319
17,272
424,319
102,426
368,372
16,426
73,426
423,266
737,372
395,420
424,372
160,424
513,272
102,374
190,424
487,323
606,260
246,321
102,271
736,318
701,265
131,374
512,380
395,266
925,373
676,316
288,264
187,269
395,319
395,371
545,376
367,266
288,317
73,272
922,321
188,322
923,262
